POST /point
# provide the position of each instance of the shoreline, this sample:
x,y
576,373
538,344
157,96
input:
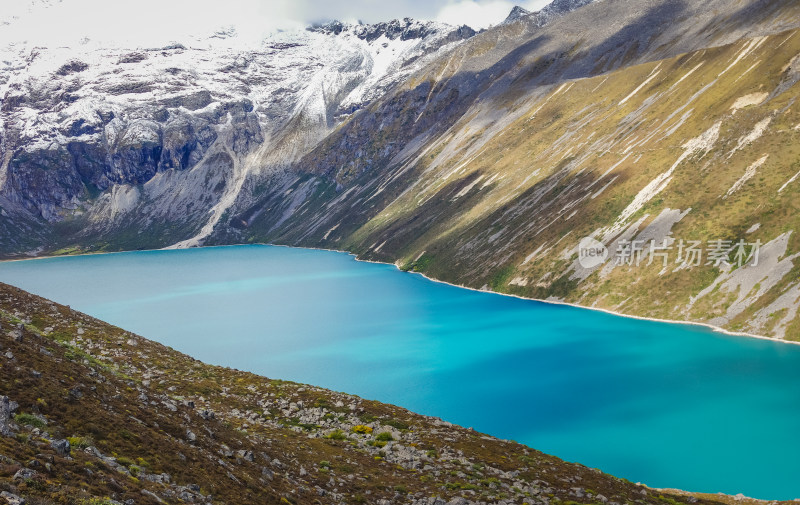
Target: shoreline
x,y
715,329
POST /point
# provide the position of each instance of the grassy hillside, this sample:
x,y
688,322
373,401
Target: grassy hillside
x,y
613,156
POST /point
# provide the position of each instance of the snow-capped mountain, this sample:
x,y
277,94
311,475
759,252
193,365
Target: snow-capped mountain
x,y
115,119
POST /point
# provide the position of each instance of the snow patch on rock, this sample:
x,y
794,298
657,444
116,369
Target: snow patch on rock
x,y
639,88
702,144
748,174
756,133
791,180
750,282
789,302
748,100
749,46
753,228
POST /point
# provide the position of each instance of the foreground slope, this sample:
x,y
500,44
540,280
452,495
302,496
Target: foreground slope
x,y
91,413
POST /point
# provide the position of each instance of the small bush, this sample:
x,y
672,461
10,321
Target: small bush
x,y
362,429
36,484
97,501
122,460
384,437
336,435
394,423
29,420
80,442
127,435
464,486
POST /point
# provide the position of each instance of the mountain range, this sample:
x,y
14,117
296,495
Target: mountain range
x,y
484,159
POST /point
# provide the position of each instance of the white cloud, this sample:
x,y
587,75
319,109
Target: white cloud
x,y
475,14
143,23
151,23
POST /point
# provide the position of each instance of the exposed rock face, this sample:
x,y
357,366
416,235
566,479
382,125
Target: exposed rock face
x,y
24,474
12,499
407,29
6,408
549,13
516,14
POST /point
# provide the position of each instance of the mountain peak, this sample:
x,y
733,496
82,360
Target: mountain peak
x,y
403,29
516,14
548,13
564,6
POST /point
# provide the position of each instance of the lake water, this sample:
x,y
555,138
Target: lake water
x,y
664,404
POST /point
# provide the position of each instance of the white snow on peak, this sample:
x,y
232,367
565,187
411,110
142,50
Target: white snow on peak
x,y
311,72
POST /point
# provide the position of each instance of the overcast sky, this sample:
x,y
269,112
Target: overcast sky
x,y
146,22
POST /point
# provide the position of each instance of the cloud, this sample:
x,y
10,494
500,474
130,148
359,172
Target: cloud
x,y
475,14
152,23
149,23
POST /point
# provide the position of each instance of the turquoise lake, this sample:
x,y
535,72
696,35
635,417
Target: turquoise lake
x,y
664,404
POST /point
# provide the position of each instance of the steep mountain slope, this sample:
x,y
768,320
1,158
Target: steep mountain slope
x,y
623,121
486,162
92,414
